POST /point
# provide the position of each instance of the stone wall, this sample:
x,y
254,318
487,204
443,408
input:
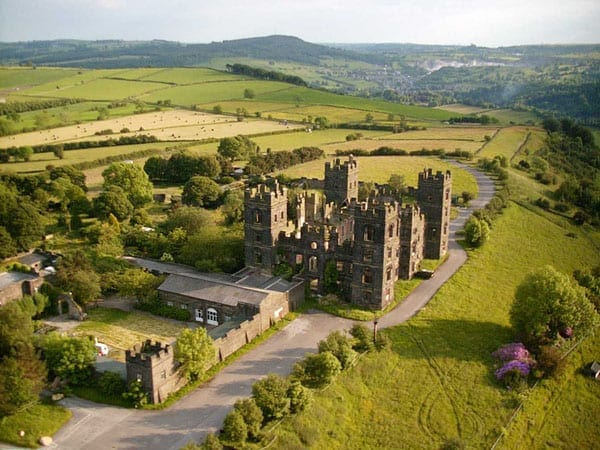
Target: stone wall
x,y
156,368
237,338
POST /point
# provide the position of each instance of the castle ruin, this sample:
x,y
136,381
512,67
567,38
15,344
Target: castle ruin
x,y
338,244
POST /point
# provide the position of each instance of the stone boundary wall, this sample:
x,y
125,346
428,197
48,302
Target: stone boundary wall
x,y
237,338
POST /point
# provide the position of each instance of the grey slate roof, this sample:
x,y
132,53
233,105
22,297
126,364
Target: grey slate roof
x,y
8,278
217,291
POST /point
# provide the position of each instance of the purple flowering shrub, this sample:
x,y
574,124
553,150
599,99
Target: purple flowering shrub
x,y
516,364
521,367
512,351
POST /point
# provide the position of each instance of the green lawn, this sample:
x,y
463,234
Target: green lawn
x,y
121,330
437,383
36,421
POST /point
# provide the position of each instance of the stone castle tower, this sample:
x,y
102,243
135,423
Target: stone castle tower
x,y
154,366
375,253
341,181
265,216
412,227
433,195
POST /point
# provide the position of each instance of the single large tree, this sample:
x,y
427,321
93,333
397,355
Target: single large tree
x,y
201,191
194,349
132,179
114,201
548,303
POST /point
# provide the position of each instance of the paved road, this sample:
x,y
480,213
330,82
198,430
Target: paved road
x,y
100,427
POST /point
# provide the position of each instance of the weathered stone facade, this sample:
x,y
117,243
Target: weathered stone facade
x,y
265,216
434,196
367,246
153,364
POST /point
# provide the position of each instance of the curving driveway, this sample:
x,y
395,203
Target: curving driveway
x,y
101,427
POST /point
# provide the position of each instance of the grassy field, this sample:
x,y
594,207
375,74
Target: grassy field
x,y
409,144
305,96
39,161
170,125
441,366
505,143
197,94
97,89
36,421
379,169
121,330
17,77
548,417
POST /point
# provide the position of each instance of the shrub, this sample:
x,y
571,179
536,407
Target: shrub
x,y
382,342
299,397
512,351
252,415
363,338
512,373
550,361
340,347
135,394
270,394
111,384
161,309
234,427
317,370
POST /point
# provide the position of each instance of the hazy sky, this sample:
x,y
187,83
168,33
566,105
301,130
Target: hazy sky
x,y
481,22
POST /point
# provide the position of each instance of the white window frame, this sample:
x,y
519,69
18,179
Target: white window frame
x,y
199,315
212,316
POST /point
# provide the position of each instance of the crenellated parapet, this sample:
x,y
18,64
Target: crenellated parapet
x,y
149,354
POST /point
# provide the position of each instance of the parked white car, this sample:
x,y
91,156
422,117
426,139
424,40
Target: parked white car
x,y
101,348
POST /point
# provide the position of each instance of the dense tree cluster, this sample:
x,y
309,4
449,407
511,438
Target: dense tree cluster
x,y
571,148
182,166
271,161
255,72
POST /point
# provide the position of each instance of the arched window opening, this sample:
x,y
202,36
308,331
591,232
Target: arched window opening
x,y
368,233
312,264
212,317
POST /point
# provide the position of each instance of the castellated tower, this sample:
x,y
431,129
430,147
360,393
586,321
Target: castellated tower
x,y
265,216
434,195
412,228
341,181
154,366
375,253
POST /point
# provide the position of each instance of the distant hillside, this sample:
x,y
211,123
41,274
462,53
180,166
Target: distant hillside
x,y
157,53
563,80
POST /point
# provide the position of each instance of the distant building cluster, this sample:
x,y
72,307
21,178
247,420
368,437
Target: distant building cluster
x,y
338,244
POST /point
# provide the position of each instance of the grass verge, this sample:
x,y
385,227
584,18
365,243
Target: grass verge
x,y
36,421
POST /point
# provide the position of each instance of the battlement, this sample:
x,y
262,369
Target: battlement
x,y
428,177
265,193
410,210
351,163
373,207
148,354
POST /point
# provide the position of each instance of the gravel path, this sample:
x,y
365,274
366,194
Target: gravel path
x,y
102,427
